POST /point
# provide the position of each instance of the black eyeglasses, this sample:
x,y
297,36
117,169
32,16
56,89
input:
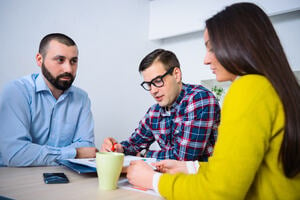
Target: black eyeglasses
x,y
157,81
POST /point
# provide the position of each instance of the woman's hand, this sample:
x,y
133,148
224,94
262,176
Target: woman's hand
x,y
140,174
171,166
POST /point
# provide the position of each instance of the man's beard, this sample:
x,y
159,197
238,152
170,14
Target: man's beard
x,y
56,82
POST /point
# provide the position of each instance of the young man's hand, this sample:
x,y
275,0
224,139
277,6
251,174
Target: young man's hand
x,y
111,145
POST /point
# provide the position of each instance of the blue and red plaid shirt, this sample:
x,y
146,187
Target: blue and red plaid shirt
x,y
187,131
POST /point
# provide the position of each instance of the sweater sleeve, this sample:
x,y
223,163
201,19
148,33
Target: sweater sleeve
x,y
243,139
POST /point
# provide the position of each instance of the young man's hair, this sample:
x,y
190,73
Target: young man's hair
x,y
61,38
245,42
167,58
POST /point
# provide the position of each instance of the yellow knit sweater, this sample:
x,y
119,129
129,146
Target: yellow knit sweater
x,y
245,161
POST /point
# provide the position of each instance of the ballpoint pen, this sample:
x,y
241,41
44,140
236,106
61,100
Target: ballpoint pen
x,y
113,148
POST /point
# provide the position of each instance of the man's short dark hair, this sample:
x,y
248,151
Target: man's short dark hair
x,y
167,58
54,36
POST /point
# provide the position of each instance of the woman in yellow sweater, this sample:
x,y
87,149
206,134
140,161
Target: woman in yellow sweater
x,y
257,154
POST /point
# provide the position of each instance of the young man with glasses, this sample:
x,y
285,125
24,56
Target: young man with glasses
x,y
183,122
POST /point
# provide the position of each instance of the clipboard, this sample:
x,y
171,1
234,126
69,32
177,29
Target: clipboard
x,y
80,169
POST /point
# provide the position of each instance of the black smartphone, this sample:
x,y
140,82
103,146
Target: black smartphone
x,y
51,178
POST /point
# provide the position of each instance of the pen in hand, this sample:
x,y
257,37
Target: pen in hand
x,y
113,148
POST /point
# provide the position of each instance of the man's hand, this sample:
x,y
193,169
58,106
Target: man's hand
x,y
86,152
171,166
140,174
110,144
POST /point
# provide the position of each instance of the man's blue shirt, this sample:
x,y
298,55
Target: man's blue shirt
x,y
37,129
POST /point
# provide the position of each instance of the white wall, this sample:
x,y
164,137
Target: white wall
x,y
112,40
189,16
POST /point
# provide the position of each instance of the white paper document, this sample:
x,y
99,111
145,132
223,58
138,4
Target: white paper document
x,y
124,184
91,162
128,159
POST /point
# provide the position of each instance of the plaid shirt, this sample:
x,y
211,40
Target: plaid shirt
x,y
188,131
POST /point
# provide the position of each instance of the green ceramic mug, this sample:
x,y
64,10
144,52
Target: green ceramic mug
x,y
109,167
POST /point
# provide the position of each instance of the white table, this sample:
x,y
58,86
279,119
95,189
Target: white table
x,y
27,183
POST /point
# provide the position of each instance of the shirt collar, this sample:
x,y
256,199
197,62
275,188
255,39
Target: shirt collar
x,y
41,85
180,97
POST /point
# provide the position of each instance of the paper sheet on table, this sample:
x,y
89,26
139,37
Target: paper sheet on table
x,y
91,162
124,184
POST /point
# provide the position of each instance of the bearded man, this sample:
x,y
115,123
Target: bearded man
x,y
43,118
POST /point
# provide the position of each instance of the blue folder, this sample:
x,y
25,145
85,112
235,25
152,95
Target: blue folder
x,y
80,169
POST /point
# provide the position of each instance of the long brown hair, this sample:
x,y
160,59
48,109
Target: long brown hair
x,y
245,42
